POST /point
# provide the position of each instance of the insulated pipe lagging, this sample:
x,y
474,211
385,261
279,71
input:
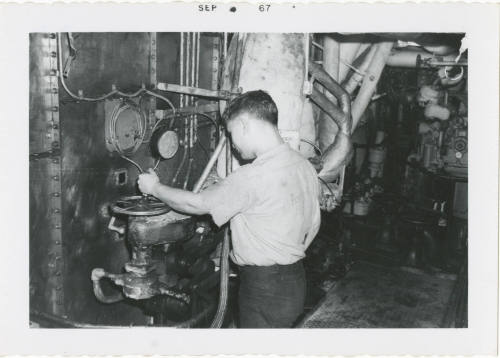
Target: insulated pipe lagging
x,y
210,164
357,77
327,106
370,80
342,115
410,59
336,155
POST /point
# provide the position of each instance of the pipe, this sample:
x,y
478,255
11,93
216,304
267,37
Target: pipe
x,y
412,59
348,51
357,77
341,115
190,166
196,319
183,100
441,50
327,129
361,50
97,275
224,282
327,106
210,164
338,153
191,101
224,259
331,57
370,81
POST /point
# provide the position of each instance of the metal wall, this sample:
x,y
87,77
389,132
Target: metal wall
x,y
87,170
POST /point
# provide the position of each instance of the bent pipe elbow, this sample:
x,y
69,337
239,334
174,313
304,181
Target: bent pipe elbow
x,y
341,116
97,275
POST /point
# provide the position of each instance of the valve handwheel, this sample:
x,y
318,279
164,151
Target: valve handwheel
x,y
139,205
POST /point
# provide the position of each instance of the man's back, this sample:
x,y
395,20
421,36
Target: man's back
x,y
273,207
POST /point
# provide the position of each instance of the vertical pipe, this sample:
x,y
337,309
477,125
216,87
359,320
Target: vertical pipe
x,y
181,68
190,130
184,76
197,83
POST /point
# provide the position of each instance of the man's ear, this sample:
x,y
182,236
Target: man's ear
x,y
245,124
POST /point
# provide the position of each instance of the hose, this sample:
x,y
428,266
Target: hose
x,y
224,258
224,283
196,319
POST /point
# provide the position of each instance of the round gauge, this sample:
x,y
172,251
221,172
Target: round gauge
x,y
164,143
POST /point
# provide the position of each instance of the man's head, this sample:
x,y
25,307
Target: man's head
x,y
250,120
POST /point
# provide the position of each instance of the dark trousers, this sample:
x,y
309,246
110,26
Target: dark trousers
x,y
271,296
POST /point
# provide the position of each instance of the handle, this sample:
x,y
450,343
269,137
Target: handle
x,y
113,227
97,275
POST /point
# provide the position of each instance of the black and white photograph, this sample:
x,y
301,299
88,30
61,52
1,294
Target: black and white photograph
x,y
202,180
340,200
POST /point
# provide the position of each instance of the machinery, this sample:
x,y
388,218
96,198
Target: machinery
x,y
149,223
175,267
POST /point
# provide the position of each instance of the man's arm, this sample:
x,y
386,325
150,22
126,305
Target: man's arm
x,y
178,199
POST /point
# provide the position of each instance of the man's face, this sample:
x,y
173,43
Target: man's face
x,y
240,133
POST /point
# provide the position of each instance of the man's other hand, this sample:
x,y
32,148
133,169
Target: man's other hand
x,y
330,196
147,182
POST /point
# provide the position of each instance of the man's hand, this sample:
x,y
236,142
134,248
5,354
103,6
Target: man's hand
x,y
148,181
330,196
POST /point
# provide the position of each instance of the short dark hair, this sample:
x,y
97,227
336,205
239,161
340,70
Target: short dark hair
x,y
258,103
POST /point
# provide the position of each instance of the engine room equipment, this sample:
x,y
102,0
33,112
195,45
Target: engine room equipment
x,y
125,126
164,143
149,222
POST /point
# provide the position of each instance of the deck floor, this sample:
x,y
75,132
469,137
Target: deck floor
x,y
375,296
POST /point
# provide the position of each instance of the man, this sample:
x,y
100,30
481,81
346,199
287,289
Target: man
x,y
272,205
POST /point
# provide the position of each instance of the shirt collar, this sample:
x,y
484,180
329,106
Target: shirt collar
x,y
272,152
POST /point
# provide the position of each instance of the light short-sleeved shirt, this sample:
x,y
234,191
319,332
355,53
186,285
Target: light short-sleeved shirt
x,y
273,205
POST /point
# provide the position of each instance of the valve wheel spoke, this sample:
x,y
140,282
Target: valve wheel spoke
x,y
139,206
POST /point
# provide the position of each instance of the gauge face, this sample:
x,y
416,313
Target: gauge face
x,y
127,129
124,126
168,144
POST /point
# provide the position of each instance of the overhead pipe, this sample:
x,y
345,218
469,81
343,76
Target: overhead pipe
x,y
362,48
370,81
421,58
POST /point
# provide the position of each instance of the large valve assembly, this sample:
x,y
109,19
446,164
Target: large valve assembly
x,y
150,223
169,260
